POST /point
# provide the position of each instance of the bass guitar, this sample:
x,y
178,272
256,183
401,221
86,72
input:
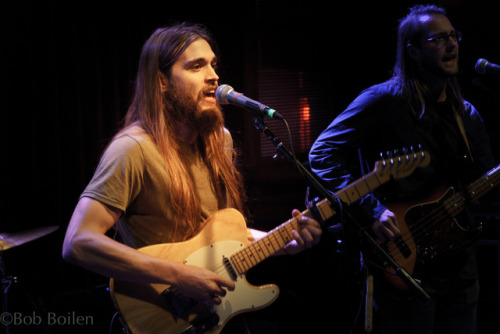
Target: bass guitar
x,y
223,247
429,226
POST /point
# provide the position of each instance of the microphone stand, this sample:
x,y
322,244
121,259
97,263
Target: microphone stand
x,y
284,151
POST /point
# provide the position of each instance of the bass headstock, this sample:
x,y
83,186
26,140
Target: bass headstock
x,y
399,166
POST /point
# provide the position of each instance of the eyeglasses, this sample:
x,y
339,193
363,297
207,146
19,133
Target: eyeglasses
x,y
443,39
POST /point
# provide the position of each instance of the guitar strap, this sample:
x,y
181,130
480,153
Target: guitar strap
x,y
462,131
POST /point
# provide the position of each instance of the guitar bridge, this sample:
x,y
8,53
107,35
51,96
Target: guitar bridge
x,y
178,304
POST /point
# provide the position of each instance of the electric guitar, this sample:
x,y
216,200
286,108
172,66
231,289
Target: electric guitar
x,y
429,227
223,247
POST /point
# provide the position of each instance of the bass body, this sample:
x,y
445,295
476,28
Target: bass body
x,y
429,226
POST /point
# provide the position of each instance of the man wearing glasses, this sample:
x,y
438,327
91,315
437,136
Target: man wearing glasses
x,y
420,105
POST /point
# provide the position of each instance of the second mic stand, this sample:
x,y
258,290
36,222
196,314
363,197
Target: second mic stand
x,y
284,151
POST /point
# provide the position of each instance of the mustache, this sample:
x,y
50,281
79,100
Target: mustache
x,y
180,107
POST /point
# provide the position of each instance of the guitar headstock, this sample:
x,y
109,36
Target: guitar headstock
x,y
401,166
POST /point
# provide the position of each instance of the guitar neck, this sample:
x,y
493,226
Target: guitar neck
x,y
480,187
276,239
457,202
263,248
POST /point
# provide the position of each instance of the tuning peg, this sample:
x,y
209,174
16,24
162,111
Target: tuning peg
x,y
382,158
398,154
406,154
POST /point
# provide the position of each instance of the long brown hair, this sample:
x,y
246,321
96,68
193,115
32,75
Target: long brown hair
x,y
406,71
148,109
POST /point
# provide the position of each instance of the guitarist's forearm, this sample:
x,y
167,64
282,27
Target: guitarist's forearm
x,y
87,245
107,257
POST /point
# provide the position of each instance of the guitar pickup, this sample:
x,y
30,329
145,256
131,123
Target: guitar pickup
x,y
229,268
403,247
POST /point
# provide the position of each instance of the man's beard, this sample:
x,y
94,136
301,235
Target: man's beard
x,y
437,69
183,109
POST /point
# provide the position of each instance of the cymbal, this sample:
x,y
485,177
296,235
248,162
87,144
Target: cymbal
x,y
10,240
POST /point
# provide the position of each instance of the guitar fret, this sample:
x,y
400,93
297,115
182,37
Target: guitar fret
x,y
484,184
362,187
242,263
249,255
259,250
286,235
278,232
325,209
265,242
348,201
237,263
374,183
269,243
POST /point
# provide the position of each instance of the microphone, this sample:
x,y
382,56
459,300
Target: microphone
x,y
483,66
225,94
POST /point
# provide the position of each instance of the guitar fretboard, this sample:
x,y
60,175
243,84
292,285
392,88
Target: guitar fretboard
x,y
481,186
261,249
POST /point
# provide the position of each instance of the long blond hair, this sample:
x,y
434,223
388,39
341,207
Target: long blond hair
x,y
148,109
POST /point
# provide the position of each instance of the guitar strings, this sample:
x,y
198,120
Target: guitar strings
x,y
423,224
443,212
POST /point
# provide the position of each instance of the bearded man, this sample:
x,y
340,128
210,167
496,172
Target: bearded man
x,y
169,168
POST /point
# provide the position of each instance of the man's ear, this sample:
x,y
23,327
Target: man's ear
x,y
163,82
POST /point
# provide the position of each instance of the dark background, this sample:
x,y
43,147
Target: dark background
x,y
67,71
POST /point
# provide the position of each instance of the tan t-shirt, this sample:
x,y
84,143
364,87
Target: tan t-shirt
x,y
132,178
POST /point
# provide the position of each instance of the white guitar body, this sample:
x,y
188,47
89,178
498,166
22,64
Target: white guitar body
x,y
144,307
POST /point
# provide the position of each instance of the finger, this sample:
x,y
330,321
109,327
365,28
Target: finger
x,y
224,282
377,233
391,226
297,237
212,300
307,237
389,234
316,235
311,224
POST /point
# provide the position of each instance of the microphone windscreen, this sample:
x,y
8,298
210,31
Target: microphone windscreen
x,y
222,92
481,65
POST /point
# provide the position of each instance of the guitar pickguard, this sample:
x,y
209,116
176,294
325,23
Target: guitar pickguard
x,y
244,297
